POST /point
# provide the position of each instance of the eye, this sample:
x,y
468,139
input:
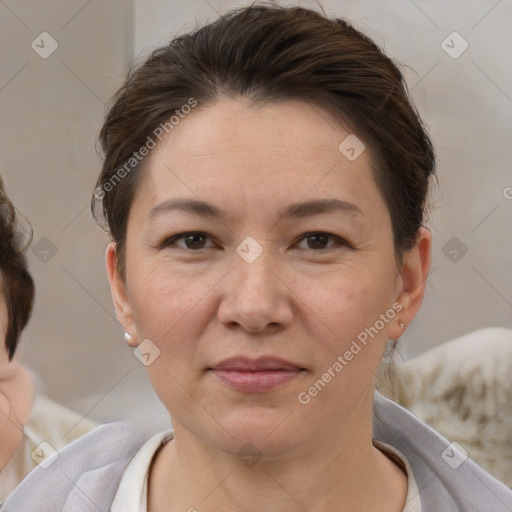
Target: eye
x,y
194,240
319,240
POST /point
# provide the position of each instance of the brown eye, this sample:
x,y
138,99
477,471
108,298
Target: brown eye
x,y
193,241
320,241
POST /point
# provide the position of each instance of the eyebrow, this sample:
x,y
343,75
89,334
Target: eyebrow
x,y
293,211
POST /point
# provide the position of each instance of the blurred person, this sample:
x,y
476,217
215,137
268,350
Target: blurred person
x,y
27,418
265,181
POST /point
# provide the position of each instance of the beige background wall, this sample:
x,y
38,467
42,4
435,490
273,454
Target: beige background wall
x,y
52,109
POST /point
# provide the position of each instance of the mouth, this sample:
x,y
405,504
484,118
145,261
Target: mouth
x,y
255,375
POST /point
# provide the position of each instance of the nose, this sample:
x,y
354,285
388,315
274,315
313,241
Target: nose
x,y
256,297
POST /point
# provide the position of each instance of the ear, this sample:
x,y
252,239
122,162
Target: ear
x,y
413,273
120,295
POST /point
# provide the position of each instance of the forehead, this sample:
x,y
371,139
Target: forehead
x,y
289,129
268,154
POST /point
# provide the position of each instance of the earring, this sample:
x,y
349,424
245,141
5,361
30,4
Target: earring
x,y
401,324
127,338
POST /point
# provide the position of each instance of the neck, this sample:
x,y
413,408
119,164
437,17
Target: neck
x,y
341,473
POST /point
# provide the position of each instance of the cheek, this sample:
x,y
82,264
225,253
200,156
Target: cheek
x,y
168,311
348,301
346,319
162,299
172,309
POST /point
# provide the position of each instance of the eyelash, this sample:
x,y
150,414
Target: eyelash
x,y
171,240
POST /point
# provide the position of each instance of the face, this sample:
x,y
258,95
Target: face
x,y
4,361
16,395
297,263
4,357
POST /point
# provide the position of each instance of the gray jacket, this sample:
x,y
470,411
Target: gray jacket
x,y
86,474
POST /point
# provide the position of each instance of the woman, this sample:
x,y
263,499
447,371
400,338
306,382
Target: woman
x,y
16,298
264,183
27,418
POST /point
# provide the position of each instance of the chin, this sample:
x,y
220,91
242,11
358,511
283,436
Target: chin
x,y
265,432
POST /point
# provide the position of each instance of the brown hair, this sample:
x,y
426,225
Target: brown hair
x,y
266,54
16,283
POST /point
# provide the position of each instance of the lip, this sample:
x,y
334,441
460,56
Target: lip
x,y
255,375
254,365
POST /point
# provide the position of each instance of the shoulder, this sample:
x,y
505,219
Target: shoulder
x,y
57,424
83,476
448,480
49,422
